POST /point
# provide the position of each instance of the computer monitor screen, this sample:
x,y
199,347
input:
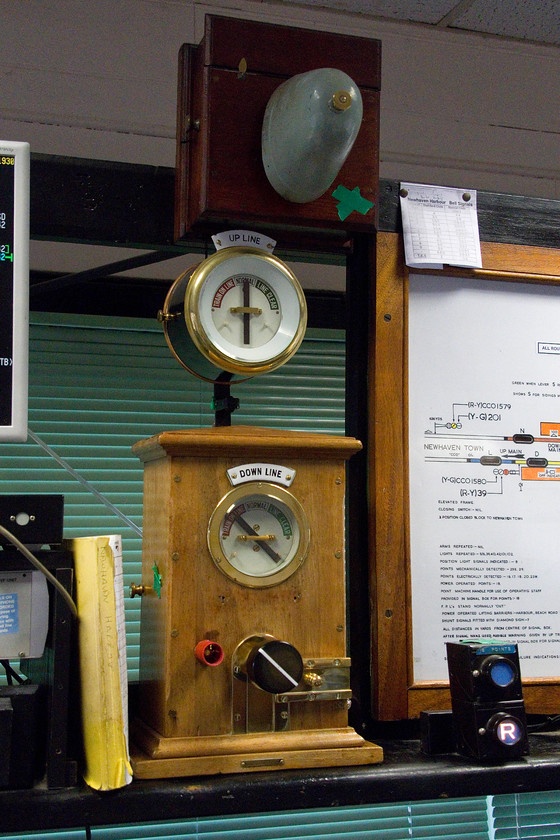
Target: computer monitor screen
x,y
14,289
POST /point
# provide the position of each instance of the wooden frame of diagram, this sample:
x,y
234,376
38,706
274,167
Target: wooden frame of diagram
x,y
394,693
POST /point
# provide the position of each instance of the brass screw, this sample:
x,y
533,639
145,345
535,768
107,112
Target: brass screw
x,y
341,100
165,317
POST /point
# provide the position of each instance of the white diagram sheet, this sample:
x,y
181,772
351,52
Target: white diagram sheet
x,y
484,460
440,225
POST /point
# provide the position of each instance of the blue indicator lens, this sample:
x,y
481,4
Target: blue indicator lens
x,y
509,731
502,673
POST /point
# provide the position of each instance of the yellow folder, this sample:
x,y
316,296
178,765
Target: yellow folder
x,y
102,655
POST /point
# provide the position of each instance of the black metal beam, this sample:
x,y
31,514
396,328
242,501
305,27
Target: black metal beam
x,y
97,201
132,205
513,219
42,287
142,297
94,201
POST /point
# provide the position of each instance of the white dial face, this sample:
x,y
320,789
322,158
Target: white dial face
x,y
258,535
245,310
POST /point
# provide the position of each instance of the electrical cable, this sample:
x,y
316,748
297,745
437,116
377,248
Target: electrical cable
x,y
549,724
84,482
6,666
11,674
38,565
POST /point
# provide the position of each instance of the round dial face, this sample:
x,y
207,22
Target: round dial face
x,y
258,535
245,310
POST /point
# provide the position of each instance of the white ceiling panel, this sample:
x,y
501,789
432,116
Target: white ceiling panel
x,y
420,11
534,20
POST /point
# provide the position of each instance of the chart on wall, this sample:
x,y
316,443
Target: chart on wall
x,y
484,463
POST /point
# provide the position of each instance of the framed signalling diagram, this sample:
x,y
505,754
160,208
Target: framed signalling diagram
x,y
464,471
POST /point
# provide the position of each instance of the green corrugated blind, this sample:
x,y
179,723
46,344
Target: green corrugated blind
x,y
97,385
525,816
522,816
449,819
64,834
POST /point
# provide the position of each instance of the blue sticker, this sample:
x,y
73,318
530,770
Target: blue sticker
x,y
9,614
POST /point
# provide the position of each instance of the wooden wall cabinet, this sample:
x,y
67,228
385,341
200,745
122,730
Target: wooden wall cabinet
x,y
224,86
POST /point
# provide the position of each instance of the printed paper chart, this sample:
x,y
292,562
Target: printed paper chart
x,y
484,444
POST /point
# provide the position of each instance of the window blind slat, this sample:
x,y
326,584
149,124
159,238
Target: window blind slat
x,y
366,822
460,819
525,816
65,834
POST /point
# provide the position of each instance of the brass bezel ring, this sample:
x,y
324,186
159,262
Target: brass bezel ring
x,y
233,497
178,338
199,336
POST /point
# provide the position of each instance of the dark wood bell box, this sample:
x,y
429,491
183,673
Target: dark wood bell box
x,y
224,86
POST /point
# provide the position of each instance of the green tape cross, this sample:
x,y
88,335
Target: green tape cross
x,y
157,580
350,200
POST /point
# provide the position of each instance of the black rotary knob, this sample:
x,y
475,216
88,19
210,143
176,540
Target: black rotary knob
x,y
275,666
